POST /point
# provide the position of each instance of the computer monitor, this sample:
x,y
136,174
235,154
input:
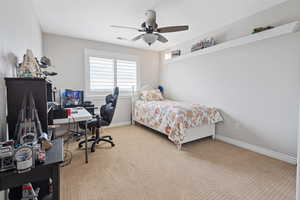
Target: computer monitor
x,y
73,98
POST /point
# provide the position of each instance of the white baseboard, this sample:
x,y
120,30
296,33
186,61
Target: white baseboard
x,y
119,124
260,150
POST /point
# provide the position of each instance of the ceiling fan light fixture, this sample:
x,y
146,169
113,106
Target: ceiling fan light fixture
x,y
150,38
150,30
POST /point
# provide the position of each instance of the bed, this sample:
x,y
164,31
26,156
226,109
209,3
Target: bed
x,y
181,122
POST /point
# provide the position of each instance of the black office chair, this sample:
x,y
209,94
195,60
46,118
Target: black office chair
x,y
104,119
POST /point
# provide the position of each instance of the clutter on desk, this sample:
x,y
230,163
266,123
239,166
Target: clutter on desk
x,y
51,105
31,143
31,67
87,103
69,112
54,91
56,111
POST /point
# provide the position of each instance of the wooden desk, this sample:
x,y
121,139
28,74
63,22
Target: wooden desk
x,y
50,169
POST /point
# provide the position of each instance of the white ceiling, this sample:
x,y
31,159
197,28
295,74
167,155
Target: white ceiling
x,y
91,19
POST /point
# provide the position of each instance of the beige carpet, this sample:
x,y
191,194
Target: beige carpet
x,y
145,165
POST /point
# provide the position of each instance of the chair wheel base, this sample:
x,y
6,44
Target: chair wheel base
x,y
97,141
93,148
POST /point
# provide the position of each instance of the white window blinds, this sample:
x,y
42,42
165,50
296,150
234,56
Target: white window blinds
x,y
107,73
126,74
101,74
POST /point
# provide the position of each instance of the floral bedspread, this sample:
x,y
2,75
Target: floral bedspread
x,y
173,117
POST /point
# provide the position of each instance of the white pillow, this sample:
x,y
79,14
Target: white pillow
x,y
151,95
137,94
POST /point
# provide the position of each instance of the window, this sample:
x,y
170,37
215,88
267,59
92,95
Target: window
x,y
104,71
101,73
126,74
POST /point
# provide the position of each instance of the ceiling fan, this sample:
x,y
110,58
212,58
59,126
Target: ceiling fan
x,y
151,29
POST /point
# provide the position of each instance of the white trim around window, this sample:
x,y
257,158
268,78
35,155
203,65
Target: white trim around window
x,y
107,55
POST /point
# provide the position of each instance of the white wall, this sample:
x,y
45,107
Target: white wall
x,y
298,165
256,86
277,15
19,30
67,55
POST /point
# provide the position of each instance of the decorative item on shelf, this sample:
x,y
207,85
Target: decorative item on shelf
x,y
281,30
203,44
45,63
175,53
46,73
260,29
28,127
45,142
172,54
31,67
27,149
24,157
28,193
7,155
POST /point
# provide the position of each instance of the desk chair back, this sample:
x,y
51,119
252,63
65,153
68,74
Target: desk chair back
x,y
106,115
107,111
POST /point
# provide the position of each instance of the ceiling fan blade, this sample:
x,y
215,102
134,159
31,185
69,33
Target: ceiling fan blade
x,y
126,27
137,37
169,29
161,38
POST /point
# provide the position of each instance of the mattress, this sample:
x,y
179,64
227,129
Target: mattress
x,y
173,117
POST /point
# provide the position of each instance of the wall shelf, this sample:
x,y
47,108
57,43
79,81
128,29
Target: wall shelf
x,y
275,32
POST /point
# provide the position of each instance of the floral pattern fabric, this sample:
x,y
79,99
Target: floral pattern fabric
x,y
173,118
